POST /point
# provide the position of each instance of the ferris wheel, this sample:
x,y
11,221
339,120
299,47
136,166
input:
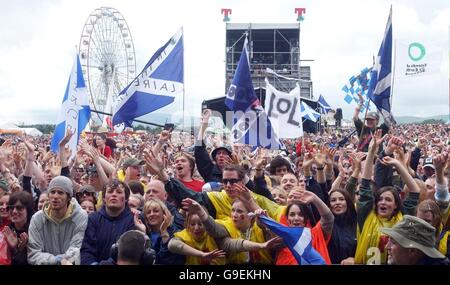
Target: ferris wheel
x,y
107,58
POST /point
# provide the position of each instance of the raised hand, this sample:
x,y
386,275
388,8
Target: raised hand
x,y
164,136
439,161
320,158
331,152
167,221
389,161
308,159
191,206
23,241
66,138
11,237
307,197
244,192
357,158
139,224
260,212
154,163
206,114
376,141
393,144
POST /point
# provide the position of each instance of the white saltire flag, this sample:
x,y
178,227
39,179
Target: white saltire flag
x,y
75,111
283,110
156,86
308,113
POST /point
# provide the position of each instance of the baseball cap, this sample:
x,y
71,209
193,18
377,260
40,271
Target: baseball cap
x,y
428,162
131,161
372,115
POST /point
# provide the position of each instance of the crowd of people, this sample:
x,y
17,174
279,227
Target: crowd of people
x,y
376,195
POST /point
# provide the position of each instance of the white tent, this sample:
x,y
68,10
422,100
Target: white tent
x,y
32,132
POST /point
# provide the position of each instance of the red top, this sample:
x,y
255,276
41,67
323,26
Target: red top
x,y
319,243
195,185
106,151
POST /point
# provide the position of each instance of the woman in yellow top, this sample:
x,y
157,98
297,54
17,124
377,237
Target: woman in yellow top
x,y
383,207
199,247
238,235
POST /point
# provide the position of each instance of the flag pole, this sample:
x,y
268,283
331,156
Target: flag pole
x,y
184,83
393,74
364,124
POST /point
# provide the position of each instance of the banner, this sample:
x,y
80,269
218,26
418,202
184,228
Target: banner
x,y
417,57
283,110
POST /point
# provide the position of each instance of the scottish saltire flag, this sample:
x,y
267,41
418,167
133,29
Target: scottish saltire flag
x,y
298,240
380,83
75,111
324,106
156,86
250,122
308,113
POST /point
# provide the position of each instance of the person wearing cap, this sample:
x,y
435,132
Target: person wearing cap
x,y
86,192
412,242
366,130
131,169
428,168
56,232
212,169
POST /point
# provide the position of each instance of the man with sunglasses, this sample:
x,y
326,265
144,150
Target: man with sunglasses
x,y
86,192
218,204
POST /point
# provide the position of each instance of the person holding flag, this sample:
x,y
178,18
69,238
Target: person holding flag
x,y
367,129
75,111
313,240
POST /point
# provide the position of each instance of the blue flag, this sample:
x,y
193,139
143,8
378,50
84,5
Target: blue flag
x,y
156,86
380,80
251,124
324,106
348,99
308,113
75,111
298,240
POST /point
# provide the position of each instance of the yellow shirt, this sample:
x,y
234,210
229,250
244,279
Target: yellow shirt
x,y
205,244
254,234
222,203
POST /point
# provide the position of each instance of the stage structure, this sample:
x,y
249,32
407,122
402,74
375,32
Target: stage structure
x,y
274,46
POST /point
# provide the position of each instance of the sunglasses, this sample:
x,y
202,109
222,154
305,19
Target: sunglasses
x,y
231,181
18,208
81,194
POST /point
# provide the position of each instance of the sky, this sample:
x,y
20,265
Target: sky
x,y
38,39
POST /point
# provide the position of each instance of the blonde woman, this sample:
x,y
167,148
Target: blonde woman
x,y
158,225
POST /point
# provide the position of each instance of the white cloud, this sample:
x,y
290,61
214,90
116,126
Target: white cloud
x,y
341,36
